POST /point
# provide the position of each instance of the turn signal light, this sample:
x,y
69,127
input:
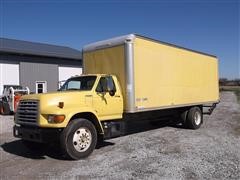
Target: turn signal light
x,y
61,104
56,118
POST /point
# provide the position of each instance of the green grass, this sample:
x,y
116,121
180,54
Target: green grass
x,y
235,89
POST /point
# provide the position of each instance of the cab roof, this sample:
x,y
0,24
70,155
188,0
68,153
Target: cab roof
x,y
89,75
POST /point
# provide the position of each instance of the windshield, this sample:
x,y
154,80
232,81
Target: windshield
x,y
79,83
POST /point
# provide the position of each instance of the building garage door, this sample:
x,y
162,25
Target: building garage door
x,y
67,72
9,75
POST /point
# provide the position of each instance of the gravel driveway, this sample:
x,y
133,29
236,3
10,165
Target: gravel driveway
x,y
211,152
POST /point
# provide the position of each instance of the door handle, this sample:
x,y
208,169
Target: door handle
x,y
88,95
118,96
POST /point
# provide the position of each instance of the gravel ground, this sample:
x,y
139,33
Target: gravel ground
x,y
211,152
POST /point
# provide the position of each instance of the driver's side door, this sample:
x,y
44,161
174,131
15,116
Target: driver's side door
x,y
107,104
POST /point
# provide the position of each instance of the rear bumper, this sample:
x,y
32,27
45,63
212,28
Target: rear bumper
x,y
208,109
44,135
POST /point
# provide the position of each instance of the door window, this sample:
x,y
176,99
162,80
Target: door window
x,y
106,84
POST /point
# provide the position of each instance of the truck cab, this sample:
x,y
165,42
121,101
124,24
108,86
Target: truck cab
x,y
74,115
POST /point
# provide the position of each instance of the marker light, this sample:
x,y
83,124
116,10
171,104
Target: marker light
x,y
61,104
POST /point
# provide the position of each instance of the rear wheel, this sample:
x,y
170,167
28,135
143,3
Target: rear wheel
x,y
183,117
194,118
79,139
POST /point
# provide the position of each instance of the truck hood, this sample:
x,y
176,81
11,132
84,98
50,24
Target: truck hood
x,y
51,100
56,94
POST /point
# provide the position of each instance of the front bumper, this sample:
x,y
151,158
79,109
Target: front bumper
x,y
43,135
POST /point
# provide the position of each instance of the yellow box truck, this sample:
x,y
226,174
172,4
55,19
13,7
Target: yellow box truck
x,y
128,78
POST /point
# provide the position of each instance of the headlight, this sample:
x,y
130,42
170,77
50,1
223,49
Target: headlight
x,y
53,118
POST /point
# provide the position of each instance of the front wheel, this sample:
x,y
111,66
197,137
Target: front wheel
x,y
194,118
79,139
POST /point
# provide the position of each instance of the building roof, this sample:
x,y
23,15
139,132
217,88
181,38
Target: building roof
x,y
38,49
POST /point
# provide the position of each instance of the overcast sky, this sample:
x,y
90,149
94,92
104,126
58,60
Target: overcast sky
x,y
210,26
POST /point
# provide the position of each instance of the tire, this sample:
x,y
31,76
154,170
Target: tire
x,y
194,118
1,108
79,139
183,118
33,146
5,109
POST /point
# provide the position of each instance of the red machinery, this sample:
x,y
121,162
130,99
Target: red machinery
x,y
10,98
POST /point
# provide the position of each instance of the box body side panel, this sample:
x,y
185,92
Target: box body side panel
x,y
166,76
107,61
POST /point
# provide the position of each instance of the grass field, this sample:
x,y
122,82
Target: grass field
x,y
235,89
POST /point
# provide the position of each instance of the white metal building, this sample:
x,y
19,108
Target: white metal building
x,y
39,66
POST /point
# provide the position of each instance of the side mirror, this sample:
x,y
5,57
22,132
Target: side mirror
x,y
112,92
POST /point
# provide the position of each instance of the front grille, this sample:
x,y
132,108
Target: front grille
x,y
27,112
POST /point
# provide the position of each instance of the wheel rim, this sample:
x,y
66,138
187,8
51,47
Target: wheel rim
x,y
1,110
82,139
197,118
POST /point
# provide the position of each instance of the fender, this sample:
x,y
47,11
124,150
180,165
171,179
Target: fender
x,y
69,113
